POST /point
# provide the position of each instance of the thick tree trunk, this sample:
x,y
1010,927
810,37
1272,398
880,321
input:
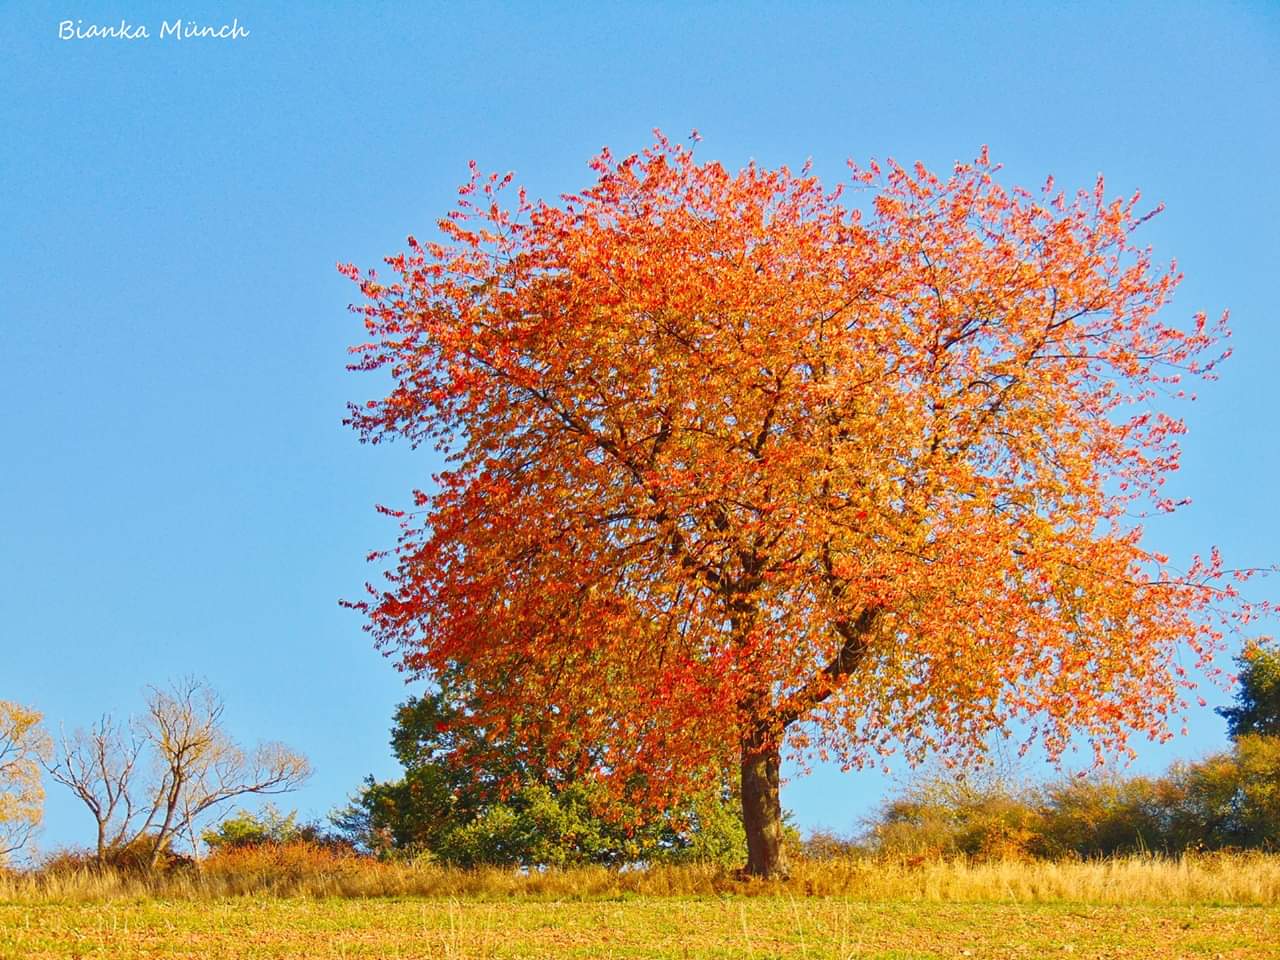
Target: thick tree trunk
x,y
762,812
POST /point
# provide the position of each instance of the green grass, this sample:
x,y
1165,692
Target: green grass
x,y
667,927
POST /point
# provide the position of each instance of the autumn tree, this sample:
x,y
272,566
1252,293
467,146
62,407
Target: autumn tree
x,y
22,745
739,464
149,780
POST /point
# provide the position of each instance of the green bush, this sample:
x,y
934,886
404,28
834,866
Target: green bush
x,y
247,829
712,834
468,799
536,827
269,827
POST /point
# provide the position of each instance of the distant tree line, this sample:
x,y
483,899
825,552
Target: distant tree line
x,y
1227,801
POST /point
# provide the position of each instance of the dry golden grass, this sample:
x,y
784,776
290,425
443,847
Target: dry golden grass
x,y
289,871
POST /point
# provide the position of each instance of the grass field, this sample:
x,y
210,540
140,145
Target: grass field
x,y
649,927
757,927
1219,907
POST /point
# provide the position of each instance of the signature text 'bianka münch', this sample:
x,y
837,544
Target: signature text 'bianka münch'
x,y
168,30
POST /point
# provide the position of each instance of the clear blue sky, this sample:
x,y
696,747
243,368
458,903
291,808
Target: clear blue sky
x,y
178,493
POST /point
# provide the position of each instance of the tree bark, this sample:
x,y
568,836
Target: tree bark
x,y
762,812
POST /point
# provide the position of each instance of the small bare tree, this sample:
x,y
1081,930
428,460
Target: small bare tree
x,y
148,782
98,766
22,745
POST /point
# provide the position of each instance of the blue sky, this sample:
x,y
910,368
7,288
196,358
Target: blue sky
x,y
178,493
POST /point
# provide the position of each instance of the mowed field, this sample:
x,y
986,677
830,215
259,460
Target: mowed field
x,y
758,927
1220,907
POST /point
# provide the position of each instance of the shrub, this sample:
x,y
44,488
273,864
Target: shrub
x,y
246,829
827,845
1233,799
1108,816
1227,801
133,858
270,827
467,800
985,816
714,834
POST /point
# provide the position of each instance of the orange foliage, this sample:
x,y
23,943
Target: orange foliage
x,y
736,460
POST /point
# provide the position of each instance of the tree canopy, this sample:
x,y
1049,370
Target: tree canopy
x,y
737,462
23,744
1257,709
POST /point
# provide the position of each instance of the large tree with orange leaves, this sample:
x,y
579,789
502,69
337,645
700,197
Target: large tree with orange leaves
x,y
738,464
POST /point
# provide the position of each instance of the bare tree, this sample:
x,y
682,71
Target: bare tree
x,y
98,765
22,745
149,781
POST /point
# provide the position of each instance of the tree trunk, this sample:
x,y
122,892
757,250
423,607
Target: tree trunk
x,y
762,812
